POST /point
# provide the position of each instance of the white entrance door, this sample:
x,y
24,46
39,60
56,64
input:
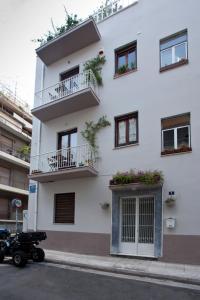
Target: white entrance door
x,y
137,220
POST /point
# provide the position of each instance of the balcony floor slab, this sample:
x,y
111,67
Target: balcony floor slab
x,y
67,173
80,100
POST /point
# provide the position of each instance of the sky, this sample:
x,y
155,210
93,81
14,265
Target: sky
x,y
21,21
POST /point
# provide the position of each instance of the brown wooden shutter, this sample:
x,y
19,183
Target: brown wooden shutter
x,y
176,121
4,176
4,208
64,208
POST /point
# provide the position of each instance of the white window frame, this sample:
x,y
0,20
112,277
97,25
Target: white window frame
x,y
176,136
173,48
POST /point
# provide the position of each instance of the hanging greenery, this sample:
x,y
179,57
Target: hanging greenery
x,y
95,65
70,22
89,134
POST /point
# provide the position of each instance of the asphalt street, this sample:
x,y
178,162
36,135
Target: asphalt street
x,y
56,282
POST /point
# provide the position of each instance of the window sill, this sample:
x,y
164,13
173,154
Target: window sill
x,y
176,151
125,146
173,66
125,73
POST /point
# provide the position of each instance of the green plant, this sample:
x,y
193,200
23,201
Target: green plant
x,y
70,22
89,134
147,178
95,65
123,69
25,150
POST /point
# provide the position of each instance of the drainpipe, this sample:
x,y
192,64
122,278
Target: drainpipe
x,y
37,153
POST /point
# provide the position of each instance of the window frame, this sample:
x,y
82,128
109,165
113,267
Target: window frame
x,y
126,118
126,49
63,133
176,137
174,63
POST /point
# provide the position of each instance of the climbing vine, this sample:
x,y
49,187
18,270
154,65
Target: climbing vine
x,y
89,134
95,65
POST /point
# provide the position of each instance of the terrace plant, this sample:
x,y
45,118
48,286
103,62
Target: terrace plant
x,y
70,22
95,64
144,177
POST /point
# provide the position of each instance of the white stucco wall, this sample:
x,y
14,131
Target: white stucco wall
x,y
153,94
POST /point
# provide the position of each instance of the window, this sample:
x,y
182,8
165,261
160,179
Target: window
x,y
126,58
173,50
176,134
126,129
67,139
70,73
64,208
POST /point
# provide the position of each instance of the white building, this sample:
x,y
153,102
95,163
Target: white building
x,y
150,97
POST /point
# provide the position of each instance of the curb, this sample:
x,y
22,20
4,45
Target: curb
x,y
126,272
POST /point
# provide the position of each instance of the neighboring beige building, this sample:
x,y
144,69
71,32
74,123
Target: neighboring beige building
x,y
15,139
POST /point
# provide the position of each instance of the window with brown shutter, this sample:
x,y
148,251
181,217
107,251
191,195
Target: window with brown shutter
x,y
64,208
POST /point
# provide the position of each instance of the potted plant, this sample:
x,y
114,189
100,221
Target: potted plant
x,y
170,201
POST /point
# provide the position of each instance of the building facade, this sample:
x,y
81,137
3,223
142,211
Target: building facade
x,y
149,96
15,139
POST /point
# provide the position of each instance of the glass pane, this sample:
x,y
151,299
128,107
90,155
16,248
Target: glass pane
x,y
166,58
183,137
122,132
132,60
132,130
121,61
64,141
180,52
73,139
146,221
128,217
173,41
168,139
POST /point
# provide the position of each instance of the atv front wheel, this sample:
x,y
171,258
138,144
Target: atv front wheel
x,y
19,259
1,256
38,255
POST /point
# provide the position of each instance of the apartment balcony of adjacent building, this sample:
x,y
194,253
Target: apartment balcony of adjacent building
x,y
14,155
14,187
13,126
68,163
75,93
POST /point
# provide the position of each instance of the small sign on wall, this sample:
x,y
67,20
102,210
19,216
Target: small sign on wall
x,y
32,188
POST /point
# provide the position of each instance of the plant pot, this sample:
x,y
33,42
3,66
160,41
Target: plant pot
x,y
170,201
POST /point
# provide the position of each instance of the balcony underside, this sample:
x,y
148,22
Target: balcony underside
x,y
80,100
68,173
71,41
10,129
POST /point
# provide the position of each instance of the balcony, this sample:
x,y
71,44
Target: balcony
x,y
14,156
69,163
14,127
79,37
16,187
73,94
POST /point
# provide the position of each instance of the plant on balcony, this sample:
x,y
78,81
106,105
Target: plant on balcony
x,y
89,134
147,177
70,22
26,150
95,65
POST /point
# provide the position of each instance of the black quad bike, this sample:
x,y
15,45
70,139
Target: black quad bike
x,y
22,247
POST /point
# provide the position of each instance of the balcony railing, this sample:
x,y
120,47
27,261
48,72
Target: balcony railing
x,y
67,87
64,159
14,152
111,8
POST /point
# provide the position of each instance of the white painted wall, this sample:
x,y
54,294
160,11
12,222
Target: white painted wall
x,y
153,95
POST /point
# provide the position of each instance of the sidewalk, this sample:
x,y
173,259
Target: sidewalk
x,y
129,266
